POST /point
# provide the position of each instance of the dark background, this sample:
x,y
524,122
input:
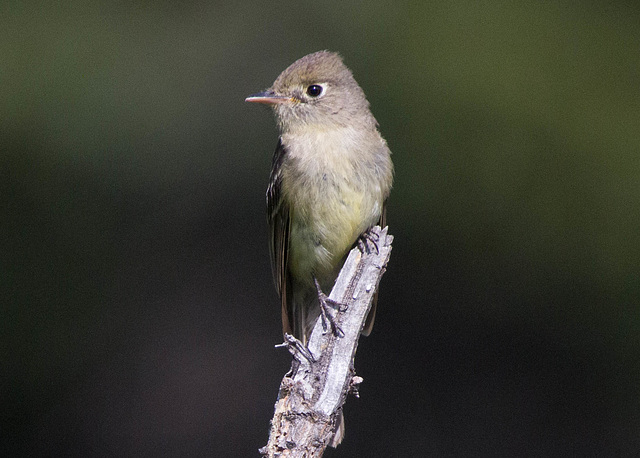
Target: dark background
x,y
139,316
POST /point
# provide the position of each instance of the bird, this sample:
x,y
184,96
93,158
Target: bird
x,y
330,179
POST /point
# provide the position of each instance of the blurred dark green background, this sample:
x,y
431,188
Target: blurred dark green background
x,y
139,315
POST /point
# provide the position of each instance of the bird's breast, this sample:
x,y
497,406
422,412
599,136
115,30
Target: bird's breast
x,y
333,195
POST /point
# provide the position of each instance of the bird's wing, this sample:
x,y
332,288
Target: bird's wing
x,y
371,317
279,224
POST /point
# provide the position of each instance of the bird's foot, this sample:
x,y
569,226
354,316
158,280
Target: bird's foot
x,y
325,303
368,239
296,348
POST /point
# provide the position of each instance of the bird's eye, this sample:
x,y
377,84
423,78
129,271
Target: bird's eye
x,y
314,90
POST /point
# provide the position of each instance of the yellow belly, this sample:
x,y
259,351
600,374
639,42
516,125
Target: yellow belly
x,y
325,223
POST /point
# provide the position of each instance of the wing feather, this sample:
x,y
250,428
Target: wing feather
x,y
279,224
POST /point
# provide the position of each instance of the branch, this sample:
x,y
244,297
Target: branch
x,y
309,407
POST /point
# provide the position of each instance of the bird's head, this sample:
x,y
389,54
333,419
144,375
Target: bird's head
x,y
319,91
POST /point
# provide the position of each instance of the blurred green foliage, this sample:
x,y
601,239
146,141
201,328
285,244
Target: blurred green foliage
x,y
125,144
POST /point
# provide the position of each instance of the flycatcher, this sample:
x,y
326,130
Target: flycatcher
x,y
330,179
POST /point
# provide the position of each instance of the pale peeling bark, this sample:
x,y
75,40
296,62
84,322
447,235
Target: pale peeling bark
x,y
311,395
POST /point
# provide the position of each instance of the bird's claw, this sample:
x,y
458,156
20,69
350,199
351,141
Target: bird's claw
x,y
325,303
296,348
368,238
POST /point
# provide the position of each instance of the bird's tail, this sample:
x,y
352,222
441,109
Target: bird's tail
x,y
339,434
305,310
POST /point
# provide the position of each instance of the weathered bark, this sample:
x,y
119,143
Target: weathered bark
x,y
309,406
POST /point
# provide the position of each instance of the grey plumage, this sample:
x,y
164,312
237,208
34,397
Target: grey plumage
x,y
330,178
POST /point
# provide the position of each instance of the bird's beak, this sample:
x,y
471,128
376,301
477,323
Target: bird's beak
x,y
268,97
